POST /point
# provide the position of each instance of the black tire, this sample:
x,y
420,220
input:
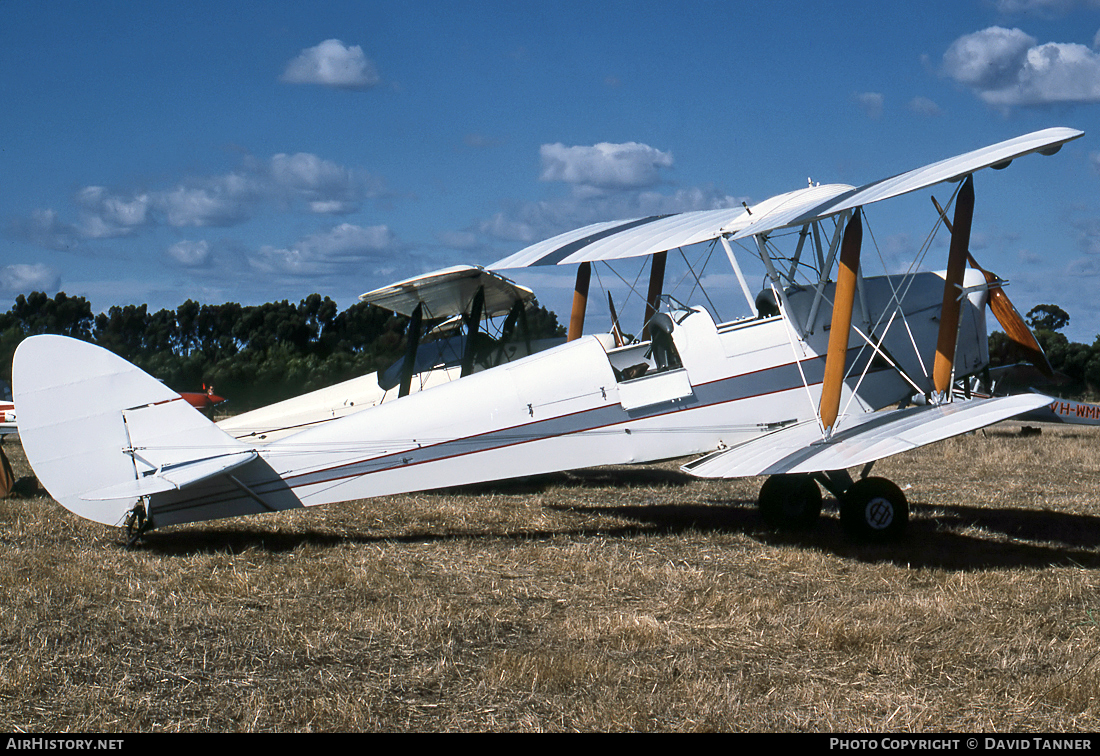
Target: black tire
x,y
790,502
874,509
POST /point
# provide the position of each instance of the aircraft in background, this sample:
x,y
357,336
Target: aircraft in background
x,y
8,425
1066,411
1023,377
449,311
797,391
205,400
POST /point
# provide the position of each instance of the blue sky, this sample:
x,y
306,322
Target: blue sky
x,y
259,151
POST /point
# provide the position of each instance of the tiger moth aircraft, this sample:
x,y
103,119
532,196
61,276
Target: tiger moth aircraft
x,y
817,381
438,305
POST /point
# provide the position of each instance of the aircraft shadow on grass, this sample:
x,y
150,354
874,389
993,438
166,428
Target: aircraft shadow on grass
x,y
943,537
951,537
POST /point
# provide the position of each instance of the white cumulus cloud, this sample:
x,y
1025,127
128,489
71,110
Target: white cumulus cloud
x,y
106,215
1045,8
46,229
925,107
346,247
332,64
23,278
1006,67
189,253
871,102
326,187
216,204
300,182
610,181
604,166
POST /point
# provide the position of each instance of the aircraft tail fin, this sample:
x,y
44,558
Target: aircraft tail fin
x,y
101,433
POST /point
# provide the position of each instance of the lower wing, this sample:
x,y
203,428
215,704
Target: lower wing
x,y
801,449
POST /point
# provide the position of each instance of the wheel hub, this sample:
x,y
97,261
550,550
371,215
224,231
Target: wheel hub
x,y
879,513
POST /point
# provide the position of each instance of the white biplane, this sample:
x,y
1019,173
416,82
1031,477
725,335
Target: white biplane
x,y
799,391
438,305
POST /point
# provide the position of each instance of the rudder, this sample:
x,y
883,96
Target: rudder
x,y
100,432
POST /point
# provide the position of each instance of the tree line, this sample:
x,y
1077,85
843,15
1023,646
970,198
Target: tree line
x,y
259,354
254,355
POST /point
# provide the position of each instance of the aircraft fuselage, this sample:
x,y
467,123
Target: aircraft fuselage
x,y
586,403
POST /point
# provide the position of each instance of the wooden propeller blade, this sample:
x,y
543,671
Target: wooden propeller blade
x,y
952,287
1006,313
841,324
1016,329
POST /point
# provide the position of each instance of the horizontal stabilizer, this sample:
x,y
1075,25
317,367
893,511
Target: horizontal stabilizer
x,y
800,448
172,478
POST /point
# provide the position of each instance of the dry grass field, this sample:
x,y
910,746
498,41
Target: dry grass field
x,y
605,600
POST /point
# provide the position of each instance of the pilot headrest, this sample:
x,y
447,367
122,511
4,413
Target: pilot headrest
x,y
766,306
661,322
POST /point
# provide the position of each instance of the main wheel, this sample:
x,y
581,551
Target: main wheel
x,y
790,501
874,509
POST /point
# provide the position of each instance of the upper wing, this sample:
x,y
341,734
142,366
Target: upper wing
x,y
800,449
448,292
615,240
1047,141
639,237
